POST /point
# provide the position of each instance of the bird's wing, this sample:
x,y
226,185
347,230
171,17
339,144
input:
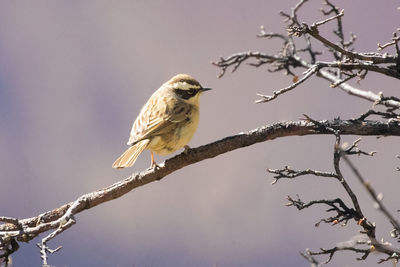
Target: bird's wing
x,y
158,116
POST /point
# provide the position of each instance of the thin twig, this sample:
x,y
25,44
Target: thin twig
x,y
376,197
307,255
307,74
355,150
337,83
343,213
332,251
395,40
289,173
319,23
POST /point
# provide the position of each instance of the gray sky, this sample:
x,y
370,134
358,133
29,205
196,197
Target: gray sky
x,y
74,76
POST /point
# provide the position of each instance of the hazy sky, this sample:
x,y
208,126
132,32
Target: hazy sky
x,y
73,77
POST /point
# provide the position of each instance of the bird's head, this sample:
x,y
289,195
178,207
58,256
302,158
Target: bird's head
x,y
186,88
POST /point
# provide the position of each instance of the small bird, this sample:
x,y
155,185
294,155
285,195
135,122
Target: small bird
x,y
166,122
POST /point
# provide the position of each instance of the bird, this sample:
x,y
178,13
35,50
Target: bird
x,y
167,122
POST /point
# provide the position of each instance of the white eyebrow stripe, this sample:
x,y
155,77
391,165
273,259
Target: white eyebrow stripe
x,y
184,86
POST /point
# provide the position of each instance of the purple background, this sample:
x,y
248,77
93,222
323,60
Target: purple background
x,y
73,77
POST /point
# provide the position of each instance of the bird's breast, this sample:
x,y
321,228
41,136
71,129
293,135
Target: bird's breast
x,y
180,135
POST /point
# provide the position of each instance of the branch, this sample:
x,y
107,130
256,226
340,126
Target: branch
x,y
332,251
283,62
360,66
367,95
346,61
343,213
337,16
376,197
355,150
289,173
313,31
307,255
308,73
262,134
345,66
390,114
237,59
394,42
63,217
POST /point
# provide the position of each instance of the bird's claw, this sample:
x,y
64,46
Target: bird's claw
x,y
186,149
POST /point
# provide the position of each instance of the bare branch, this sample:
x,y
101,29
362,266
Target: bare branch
x,y
292,19
355,150
395,41
346,65
319,23
367,95
295,61
49,220
237,59
332,251
376,197
335,84
289,173
307,255
339,30
367,66
313,31
271,35
62,218
336,161
387,115
395,257
343,213
307,74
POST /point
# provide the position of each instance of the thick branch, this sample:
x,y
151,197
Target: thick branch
x,y
31,227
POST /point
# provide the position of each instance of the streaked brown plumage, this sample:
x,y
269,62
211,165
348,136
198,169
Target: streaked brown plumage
x,y
166,122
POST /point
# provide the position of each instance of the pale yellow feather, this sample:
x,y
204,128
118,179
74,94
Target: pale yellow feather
x,y
128,158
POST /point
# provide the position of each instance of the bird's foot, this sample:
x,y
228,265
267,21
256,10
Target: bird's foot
x,y
186,149
154,166
153,163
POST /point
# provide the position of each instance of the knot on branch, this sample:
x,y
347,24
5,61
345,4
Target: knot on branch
x,y
298,31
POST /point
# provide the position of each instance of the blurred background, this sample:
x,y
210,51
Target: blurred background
x,y
73,77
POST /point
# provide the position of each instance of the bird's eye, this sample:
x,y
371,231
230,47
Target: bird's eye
x,y
186,93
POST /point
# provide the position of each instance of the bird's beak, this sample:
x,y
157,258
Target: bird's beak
x,y
205,89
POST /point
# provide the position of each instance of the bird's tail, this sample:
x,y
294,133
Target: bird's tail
x,y
130,155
